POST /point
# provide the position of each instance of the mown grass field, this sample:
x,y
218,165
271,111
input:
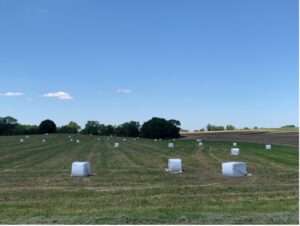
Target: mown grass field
x,y
131,185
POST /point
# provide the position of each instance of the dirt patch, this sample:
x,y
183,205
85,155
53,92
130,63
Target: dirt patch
x,y
272,137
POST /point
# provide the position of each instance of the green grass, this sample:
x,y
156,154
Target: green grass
x,y
132,187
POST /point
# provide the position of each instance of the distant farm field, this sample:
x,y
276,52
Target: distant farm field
x,y
131,185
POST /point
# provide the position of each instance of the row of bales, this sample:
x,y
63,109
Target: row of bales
x,y
230,169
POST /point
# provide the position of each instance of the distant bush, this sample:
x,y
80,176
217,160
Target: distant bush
x,y
26,129
230,127
288,126
214,128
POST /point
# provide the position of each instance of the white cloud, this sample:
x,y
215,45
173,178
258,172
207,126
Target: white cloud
x,y
124,91
11,94
60,95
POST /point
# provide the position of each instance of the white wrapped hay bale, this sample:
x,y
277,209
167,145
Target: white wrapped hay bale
x,y
98,139
234,144
27,137
155,140
174,139
268,146
117,145
170,145
43,140
235,151
77,141
160,139
71,139
200,144
234,169
70,136
46,134
175,166
124,139
81,169
21,140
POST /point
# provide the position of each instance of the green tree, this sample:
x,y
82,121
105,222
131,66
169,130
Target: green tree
x,y
128,129
92,127
214,128
7,125
230,127
72,127
109,130
47,126
160,128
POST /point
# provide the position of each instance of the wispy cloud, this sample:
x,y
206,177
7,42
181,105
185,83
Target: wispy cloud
x,y
124,91
60,95
12,94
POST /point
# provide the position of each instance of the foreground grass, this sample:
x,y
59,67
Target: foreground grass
x,y
132,187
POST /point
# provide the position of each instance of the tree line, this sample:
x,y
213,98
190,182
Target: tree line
x,y
153,128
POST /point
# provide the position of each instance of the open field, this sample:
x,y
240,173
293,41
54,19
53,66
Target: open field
x,y
252,136
131,185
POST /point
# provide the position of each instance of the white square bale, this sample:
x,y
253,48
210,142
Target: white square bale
x,y
81,169
234,169
268,146
175,165
117,145
235,151
170,145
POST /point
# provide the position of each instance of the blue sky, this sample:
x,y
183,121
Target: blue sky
x,y
198,61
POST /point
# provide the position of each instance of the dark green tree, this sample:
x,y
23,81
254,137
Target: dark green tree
x,y
8,125
128,129
230,127
47,126
72,127
160,128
